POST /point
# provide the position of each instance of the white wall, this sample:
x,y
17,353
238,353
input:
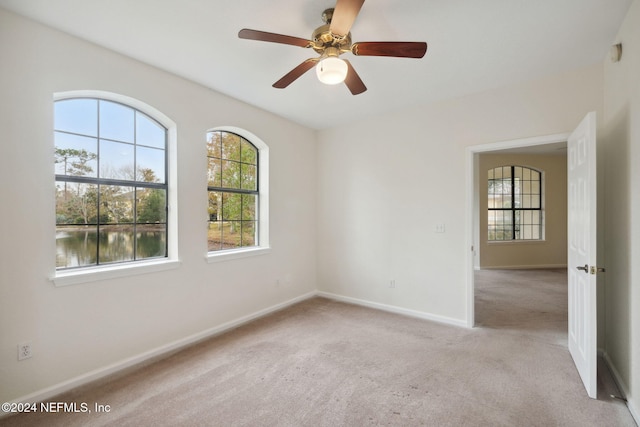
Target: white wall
x,y
386,182
622,195
78,329
550,252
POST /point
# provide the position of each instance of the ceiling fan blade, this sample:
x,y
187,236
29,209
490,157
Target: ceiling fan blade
x,y
293,75
344,14
396,49
353,81
273,37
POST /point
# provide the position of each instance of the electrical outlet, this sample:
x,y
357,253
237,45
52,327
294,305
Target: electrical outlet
x,y
440,228
392,283
24,350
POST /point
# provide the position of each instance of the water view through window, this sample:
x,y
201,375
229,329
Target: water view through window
x,y
111,188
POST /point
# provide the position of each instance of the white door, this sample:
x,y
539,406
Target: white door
x,y
582,263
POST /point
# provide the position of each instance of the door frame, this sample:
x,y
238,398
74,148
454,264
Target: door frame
x,y
472,231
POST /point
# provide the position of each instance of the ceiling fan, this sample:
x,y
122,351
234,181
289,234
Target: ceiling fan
x,y
330,41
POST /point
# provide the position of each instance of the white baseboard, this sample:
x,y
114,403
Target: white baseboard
x,y
394,309
621,386
96,374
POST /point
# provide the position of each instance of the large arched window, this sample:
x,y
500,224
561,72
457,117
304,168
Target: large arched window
x,y
514,204
236,191
111,183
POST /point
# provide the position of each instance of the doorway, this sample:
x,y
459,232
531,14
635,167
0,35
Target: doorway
x,y
526,145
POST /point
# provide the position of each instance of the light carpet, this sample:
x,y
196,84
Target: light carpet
x,y
326,363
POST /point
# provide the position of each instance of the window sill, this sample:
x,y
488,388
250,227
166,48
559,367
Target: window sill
x,y
220,256
93,274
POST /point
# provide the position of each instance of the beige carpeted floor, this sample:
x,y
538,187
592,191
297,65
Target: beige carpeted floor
x,y
325,363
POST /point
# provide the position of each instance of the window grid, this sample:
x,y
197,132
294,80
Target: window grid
x,y
122,212
233,191
514,204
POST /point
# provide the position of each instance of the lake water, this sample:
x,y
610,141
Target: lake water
x,y
76,247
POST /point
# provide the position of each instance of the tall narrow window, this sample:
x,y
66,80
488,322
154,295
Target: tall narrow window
x,y
111,184
233,189
514,204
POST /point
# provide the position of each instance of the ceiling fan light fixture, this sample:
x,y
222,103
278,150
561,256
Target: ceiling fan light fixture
x,y
331,70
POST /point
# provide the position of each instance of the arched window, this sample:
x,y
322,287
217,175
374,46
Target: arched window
x,y
514,204
111,183
236,191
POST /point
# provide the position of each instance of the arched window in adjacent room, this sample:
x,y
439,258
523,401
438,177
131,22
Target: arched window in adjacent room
x,y
514,204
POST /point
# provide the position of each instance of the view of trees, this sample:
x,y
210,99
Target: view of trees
x,y
233,191
77,203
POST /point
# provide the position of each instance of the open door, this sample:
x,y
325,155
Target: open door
x,y
582,270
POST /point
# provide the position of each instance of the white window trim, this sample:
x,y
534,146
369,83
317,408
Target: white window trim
x,y
263,219
102,272
125,269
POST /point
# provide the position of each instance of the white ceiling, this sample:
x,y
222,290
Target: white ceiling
x,y
473,46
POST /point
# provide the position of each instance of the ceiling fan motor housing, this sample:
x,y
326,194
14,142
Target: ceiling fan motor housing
x,y
323,38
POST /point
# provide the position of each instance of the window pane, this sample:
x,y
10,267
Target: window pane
x,y
230,174
215,231
498,173
249,207
215,206
75,155
506,172
214,172
76,245
505,185
150,164
115,243
151,241
149,132
214,144
230,146
151,205
76,203
231,206
77,116
526,174
536,232
249,177
535,201
116,122
248,233
116,204
535,187
517,172
214,237
116,160
535,217
232,234
249,153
